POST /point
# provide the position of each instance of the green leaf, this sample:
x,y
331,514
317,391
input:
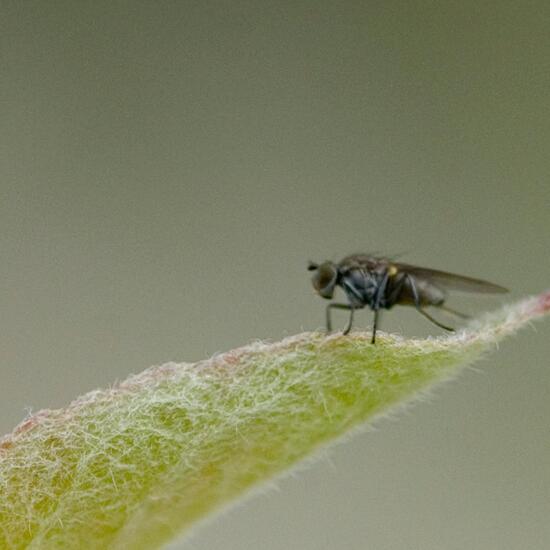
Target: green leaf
x,y
132,466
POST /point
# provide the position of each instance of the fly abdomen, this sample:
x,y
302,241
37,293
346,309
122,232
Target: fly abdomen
x,y
428,294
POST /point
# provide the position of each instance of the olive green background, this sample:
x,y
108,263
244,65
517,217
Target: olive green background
x,y
167,170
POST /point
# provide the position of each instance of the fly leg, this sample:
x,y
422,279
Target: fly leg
x,y
454,312
419,308
350,322
377,303
374,325
340,306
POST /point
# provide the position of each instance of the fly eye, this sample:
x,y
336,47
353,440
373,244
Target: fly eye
x,y
324,279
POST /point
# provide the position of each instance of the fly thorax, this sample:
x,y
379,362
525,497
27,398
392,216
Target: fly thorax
x,y
360,287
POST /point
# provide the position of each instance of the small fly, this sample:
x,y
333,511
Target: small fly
x,y
381,283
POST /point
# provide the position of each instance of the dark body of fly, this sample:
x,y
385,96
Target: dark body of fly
x,y
381,283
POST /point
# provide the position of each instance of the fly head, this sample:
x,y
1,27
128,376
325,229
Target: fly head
x,y
325,278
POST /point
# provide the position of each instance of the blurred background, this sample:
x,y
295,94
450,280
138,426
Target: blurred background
x,y
167,170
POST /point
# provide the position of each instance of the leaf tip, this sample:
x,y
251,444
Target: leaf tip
x,y
542,303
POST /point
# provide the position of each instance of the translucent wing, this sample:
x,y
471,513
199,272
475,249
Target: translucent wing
x,y
451,281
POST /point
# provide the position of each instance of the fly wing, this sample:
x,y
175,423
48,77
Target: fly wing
x,y
451,281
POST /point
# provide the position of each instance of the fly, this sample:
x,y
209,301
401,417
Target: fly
x,y
381,283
